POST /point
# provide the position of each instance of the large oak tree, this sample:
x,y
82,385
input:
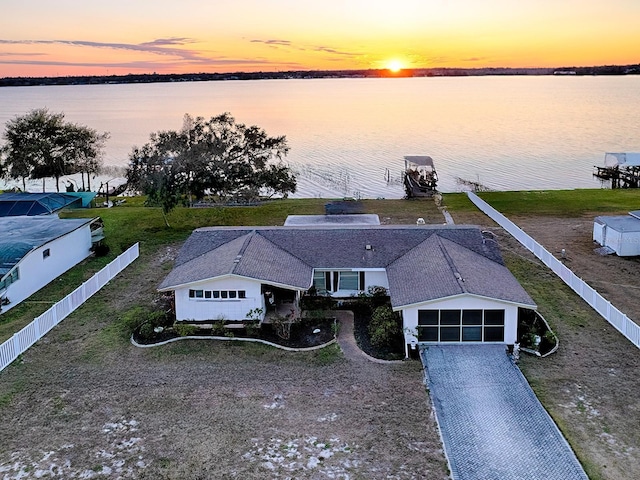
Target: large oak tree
x,y
217,157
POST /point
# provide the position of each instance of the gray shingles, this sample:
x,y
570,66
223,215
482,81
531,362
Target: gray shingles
x,y
214,263
266,261
484,277
422,263
421,275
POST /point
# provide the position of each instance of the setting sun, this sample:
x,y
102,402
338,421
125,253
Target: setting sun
x,y
394,66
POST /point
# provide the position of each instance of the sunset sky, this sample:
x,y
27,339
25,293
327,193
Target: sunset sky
x,y
75,37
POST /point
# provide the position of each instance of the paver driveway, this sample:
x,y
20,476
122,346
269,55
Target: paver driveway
x,y
492,424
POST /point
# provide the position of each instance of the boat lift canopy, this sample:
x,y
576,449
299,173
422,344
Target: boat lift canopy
x,y
622,160
418,160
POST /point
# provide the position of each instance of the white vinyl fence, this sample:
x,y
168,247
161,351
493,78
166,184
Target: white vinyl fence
x,y
611,314
39,327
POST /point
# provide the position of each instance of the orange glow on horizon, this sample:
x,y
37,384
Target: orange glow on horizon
x,y
52,39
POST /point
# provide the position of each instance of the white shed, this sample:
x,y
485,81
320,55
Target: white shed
x,y
621,233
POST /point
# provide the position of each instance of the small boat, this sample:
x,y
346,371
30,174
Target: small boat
x,y
420,177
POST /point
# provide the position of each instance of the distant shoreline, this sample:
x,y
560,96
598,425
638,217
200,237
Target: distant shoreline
x,y
314,74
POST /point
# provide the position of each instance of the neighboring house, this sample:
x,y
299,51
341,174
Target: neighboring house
x,y
620,233
36,250
449,282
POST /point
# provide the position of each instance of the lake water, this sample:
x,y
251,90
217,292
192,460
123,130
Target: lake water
x,y
348,136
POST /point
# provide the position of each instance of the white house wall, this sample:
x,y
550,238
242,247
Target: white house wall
x,y
35,271
209,309
374,278
466,302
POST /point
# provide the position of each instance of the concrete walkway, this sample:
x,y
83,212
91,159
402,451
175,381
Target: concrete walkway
x,y
347,340
492,424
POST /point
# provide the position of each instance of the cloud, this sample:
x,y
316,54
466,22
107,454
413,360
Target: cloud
x,y
282,43
305,48
162,47
335,52
169,41
13,54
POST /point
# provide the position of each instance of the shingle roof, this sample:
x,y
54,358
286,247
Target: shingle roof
x,y
422,263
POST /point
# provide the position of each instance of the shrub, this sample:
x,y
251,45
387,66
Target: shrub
x,y
384,327
146,331
217,329
132,319
317,302
186,330
252,329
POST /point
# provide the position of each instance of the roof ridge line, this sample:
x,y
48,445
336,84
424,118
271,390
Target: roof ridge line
x,y
213,249
451,264
243,248
257,232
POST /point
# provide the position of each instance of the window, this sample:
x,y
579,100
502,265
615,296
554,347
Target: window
x,y
461,325
11,277
494,325
472,325
46,253
320,280
428,325
348,281
218,294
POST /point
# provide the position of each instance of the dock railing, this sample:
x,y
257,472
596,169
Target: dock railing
x,y
41,325
610,313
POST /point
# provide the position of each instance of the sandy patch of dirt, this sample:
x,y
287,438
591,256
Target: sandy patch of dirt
x,y
616,278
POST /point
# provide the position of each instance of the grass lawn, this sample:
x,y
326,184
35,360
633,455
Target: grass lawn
x,y
83,401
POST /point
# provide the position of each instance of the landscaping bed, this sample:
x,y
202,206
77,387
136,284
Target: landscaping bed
x,y
391,350
303,334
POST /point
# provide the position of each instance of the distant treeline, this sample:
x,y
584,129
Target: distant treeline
x,y
371,73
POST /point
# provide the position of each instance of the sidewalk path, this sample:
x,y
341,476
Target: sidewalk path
x,y
347,340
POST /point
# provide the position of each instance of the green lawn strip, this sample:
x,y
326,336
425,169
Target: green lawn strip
x,y
562,203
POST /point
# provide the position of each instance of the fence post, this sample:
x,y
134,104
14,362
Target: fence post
x,y
16,346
